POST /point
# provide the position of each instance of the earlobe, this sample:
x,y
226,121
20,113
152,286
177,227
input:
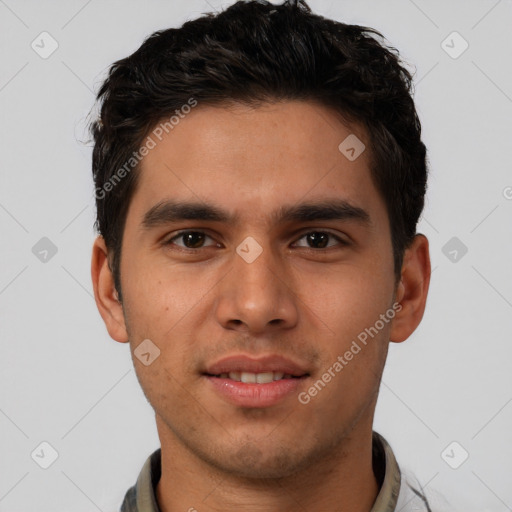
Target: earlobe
x,y
412,289
105,294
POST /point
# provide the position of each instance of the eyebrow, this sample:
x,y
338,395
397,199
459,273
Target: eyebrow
x,y
169,211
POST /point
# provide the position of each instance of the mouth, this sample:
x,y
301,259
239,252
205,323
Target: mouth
x,y
244,381
246,368
256,378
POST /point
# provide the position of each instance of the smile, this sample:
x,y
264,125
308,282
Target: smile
x,y
255,378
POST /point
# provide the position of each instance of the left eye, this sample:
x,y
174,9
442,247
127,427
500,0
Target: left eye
x,y
321,238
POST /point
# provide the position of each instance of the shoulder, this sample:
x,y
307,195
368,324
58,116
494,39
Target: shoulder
x,y
414,497
130,500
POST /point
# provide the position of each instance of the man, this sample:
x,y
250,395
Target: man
x,y
259,176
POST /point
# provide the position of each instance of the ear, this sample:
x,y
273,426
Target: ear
x,y
105,294
412,289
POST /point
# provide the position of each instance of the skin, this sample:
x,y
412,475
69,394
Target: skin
x,y
296,299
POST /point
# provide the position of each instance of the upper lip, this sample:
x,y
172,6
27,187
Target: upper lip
x,y
243,363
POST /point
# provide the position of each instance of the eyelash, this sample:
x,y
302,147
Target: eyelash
x,y
188,249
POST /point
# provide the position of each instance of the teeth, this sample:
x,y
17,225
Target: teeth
x,y
248,377
255,378
264,378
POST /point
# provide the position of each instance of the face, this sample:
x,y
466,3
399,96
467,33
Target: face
x,y
278,264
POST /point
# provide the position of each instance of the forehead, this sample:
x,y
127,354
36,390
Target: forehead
x,y
251,159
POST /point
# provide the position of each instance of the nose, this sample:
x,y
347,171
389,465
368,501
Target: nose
x,y
257,296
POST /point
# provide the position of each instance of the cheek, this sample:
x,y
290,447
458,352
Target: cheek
x,y
160,295
353,340
160,302
349,300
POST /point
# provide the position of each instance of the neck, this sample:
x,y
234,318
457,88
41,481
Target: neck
x,y
342,481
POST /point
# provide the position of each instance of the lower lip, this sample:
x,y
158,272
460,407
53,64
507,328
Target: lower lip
x,y
255,395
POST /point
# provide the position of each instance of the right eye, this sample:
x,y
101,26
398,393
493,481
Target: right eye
x,y
191,239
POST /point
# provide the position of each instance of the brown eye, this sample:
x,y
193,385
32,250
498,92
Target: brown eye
x,y
320,239
190,239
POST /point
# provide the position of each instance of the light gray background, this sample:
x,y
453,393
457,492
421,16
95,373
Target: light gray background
x,y
64,381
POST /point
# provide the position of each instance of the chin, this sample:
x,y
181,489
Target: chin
x,y
250,461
